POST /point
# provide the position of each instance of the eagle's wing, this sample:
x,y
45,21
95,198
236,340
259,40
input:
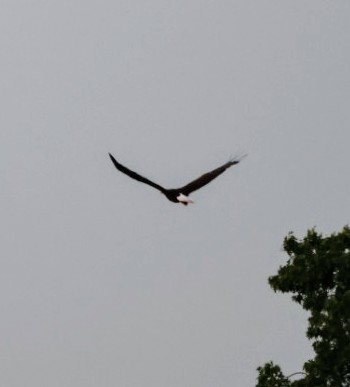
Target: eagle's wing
x,y
135,175
208,177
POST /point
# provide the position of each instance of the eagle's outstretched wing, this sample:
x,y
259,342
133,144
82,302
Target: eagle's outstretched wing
x,y
208,177
135,175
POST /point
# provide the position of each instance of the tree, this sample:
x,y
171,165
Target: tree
x,y
271,375
317,274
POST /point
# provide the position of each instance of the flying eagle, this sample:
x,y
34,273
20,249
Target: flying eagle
x,y
179,195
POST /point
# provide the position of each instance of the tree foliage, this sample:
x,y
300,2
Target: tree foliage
x,y
317,274
272,376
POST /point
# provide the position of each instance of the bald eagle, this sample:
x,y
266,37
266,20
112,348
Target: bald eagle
x,y
179,195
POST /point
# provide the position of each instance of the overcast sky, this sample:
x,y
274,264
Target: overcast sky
x,y
103,282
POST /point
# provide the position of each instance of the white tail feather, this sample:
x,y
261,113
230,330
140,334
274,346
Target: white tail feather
x,y
184,199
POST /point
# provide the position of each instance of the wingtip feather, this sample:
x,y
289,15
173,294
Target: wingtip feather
x,y
237,159
112,158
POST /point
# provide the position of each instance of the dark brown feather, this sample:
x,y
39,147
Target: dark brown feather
x,y
207,177
135,175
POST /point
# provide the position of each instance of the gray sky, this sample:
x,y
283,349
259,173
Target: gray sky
x,y
103,282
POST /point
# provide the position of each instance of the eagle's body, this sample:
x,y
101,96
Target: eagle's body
x,y
179,195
